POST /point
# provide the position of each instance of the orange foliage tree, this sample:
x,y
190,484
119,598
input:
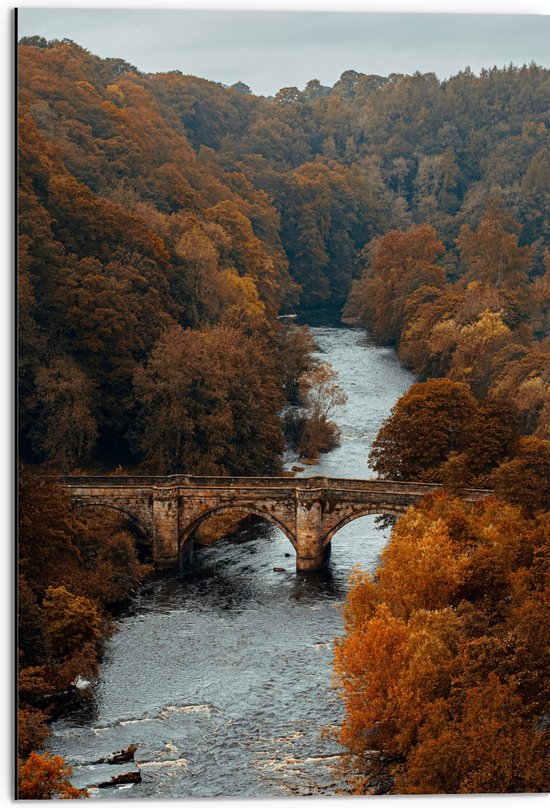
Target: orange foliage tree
x,y
46,777
444,685
440,422
204,396
398,264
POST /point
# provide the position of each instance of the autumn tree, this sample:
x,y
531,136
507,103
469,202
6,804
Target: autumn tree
x,y
525,479
48,532
397,265
296,345
540,301
522,374
320,393
32,730
321,396
46,777
74,628
428,423
491,746
65,430
209,404
472,348
491,252
443,692
111,567
70,568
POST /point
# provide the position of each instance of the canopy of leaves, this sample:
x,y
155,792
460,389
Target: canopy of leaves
x,y
203,397
475,319
444,682
438,431
71,569
46,777
148,201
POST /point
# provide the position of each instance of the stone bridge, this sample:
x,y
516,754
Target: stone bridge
x,y
308,510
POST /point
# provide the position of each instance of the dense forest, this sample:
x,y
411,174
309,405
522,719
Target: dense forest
x,y
152,204
444,664
165,224
479,341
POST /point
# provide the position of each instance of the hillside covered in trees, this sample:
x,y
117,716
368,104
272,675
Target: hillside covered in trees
x,y
165,224
478,341
443,667
154,203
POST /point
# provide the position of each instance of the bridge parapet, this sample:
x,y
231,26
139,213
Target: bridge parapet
x,y
322,483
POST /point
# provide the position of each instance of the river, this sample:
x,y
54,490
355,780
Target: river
x,y
223,677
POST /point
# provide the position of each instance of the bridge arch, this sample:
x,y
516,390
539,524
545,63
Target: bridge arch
x,y
187,533
373,510
131,517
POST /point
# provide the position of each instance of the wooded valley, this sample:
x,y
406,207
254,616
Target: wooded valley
x,y
166,223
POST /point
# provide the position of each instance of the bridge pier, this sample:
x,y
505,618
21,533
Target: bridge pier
x,y
310,555
165,529
186,554
313,563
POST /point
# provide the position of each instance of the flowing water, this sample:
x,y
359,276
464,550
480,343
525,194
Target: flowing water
x,y
223,677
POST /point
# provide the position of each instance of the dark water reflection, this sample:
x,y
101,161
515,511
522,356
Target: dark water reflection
x,y
223,677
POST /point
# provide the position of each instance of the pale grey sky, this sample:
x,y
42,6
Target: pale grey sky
x,y
273,49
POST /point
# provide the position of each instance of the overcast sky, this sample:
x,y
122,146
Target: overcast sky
x,y
273,49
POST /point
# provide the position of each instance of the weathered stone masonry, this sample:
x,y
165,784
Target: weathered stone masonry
x,y
309,510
